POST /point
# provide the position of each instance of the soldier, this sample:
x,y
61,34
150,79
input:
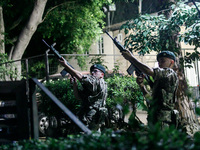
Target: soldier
x,y
162,105
93,94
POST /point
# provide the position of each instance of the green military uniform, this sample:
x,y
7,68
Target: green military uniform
x,y
93,95
163,96
162,106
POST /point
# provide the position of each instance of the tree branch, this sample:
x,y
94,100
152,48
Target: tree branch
x,y
55,8
16,23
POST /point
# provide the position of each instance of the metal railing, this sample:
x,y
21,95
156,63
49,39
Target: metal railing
x,y
62,107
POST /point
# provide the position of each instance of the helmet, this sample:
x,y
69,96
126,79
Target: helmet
x,y
97,66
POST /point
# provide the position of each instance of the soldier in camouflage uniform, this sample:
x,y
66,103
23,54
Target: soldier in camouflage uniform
x,y
93,95
162,106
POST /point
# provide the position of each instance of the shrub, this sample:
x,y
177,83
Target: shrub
x,y
63,90
122,90
153,138
7,69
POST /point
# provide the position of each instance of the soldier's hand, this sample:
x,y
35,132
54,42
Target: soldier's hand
x,y
73,80
140,80
127,54
62,62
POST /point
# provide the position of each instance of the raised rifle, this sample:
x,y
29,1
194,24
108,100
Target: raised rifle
x,y
132,67
56,53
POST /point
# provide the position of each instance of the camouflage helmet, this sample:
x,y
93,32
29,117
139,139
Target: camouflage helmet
x,y
97,66
167,54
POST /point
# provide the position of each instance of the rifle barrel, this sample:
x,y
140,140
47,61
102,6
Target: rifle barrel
x,y
109,35
45,43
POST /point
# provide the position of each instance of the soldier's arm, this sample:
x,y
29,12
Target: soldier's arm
x,y
75,88
146,93
143,67
140,82
90,83
71,71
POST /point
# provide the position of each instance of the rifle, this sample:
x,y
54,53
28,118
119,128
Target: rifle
x,y
132,67
56,53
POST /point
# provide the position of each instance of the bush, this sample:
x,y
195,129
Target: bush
x,y
7,69
123,91
63,90
153,138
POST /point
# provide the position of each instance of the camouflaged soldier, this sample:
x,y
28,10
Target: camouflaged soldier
x,y
93,95
162,106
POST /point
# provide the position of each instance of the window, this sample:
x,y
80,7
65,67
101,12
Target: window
x,y
100,46
119,37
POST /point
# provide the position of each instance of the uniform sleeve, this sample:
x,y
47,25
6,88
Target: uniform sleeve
x,y
89,82
157,73
164,73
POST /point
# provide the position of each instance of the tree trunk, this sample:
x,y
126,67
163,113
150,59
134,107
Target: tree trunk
x,y
188,119
28,31
2,30
30,28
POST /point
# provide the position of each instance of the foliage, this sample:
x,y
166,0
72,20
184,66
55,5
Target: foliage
x,y
123,90
123,94
142,33
37,67
74,25
7,68
63,90
79,23
152,33
147,139
18,19
116,67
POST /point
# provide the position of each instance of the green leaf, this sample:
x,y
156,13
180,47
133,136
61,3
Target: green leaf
x,y
197,110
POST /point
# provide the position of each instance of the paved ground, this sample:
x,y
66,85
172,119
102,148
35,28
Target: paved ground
x,y
142,115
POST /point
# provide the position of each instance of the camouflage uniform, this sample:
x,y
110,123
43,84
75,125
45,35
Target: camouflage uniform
x,y
93,97
163,97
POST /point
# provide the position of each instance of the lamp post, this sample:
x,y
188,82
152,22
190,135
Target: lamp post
x,y
111,8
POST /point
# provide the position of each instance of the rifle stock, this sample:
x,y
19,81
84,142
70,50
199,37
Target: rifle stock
x,y
56,53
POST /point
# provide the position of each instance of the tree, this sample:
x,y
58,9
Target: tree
x,y
156,33
78,22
